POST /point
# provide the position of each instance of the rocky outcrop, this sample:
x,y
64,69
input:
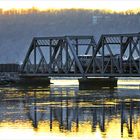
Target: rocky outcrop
x,y
8,78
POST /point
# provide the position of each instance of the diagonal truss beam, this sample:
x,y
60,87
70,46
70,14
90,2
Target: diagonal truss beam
x,y
74,55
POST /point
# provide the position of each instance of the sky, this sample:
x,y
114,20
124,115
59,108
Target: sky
x,y
116,5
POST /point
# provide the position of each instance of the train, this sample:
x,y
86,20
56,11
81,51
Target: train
x,y
127,64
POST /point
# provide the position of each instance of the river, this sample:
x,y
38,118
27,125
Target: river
x,y
63,112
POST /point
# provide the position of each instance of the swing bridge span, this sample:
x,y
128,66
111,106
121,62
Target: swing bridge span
x,y
114,55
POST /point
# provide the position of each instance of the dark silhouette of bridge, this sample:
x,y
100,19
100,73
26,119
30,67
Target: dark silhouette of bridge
x,y
101,113
115,55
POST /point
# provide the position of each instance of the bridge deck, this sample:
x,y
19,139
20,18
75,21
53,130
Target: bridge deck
x,y
78,75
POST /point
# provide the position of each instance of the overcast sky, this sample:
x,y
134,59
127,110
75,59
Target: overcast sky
x,y
118,5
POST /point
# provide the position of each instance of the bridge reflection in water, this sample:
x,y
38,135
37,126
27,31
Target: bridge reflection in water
x,y
68,111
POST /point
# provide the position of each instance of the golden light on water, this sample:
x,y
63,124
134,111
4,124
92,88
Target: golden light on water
x,y
92,115
126,84
84,131
114,5
129,84
64,82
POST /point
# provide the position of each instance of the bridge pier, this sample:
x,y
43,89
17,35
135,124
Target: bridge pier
x,y
34,81
97,83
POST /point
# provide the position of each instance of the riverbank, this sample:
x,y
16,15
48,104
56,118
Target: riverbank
x,y
8,78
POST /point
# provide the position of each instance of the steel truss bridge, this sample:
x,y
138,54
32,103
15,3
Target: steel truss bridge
x,y
114,55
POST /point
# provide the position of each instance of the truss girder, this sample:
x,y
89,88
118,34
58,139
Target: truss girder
x,y
113,54
62,56
113,49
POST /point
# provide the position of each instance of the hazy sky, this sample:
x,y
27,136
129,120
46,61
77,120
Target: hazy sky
x,y
117,5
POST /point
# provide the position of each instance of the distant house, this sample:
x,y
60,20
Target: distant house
x,y
99,18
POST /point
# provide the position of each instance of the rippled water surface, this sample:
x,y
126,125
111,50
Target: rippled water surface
x,y
65,112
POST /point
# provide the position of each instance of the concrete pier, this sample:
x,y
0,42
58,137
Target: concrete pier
x,y
97,83
34,81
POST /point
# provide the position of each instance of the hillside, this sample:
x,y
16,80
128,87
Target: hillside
x,y
17,31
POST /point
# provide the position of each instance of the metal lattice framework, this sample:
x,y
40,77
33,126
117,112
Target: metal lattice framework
x,y
57,55
114,55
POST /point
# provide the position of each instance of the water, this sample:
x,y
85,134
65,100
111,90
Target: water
x,y
64,112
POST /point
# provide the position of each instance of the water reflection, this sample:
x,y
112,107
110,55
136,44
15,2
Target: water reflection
x,y
66,110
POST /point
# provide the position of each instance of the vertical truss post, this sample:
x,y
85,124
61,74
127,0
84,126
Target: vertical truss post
x,y
111,58
103,55
93,50
50,55
130,57
34,56
121,54
92,44
112,64
67,57
75,68
61,63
